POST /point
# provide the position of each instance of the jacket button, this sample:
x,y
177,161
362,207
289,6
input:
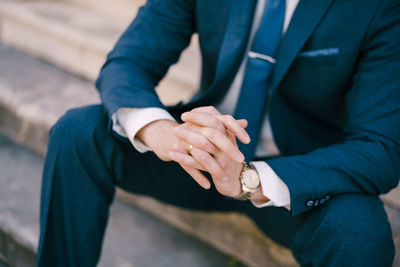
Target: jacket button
x,y
310,203
322,201
316,203
327,197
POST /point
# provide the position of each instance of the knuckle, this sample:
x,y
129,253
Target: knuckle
x,y
229,118
175,146
185,133
219,172
233,122
209,108
210,133
179,128
214,121
233,150
189,115
212,109
211,148
196,109
217,135
187,160
204,131
202,157
203,143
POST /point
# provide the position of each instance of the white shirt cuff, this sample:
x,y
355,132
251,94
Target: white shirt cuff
x,y
127,122
272,187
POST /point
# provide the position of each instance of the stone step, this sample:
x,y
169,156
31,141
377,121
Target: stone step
x,y
3,261
33,94
78,39
133,238
117,9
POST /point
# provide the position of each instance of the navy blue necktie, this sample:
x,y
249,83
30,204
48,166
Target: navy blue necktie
x,y
254,92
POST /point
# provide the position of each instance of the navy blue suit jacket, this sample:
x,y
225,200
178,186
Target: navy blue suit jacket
x,y
335,93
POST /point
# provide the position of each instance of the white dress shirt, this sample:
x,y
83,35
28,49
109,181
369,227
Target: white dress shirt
x,y
128,121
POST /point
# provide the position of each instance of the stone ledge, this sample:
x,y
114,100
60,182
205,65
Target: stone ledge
x,y
21,254
221,230
78,39
123,10
3,261
133,238
34,94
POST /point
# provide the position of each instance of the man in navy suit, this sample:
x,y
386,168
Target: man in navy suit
x,y
325,142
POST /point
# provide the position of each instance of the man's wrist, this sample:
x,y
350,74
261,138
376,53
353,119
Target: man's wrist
x,y
259,196
151,130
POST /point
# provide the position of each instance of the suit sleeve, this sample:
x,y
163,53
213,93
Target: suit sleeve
x,y
143,54
368,161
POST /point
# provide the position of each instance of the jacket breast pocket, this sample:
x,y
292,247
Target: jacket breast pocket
x,y
320,57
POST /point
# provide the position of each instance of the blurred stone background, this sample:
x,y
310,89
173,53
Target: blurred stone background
x,y
50,54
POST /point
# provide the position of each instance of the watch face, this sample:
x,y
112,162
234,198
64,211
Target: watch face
x,y
251,179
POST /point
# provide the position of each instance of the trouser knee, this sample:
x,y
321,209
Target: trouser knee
x,y
350,230
79,127
77,151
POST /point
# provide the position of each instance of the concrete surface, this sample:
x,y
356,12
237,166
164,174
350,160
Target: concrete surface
x,y
133,238
34,94
78,39
3,261
393,198
3,264
221,230
123,10
393,213
66,35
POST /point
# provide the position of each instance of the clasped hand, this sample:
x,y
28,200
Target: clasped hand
x,y
209,139
204,142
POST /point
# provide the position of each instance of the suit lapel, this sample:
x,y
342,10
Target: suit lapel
x,y
306,17
234,43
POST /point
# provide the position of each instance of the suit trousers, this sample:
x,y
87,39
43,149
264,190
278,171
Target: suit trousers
x,y
86,162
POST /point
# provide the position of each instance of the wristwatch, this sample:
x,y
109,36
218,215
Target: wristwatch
x,y
250,181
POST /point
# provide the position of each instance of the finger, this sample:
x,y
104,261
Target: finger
x,y
194,138
222,142
219,122
197,176
231,137
225,143
210,164
243,123
180,146
235,127
207,109
196,128
212,110
203,119
185,159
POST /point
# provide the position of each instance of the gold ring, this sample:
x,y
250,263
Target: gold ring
x,y
190,148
